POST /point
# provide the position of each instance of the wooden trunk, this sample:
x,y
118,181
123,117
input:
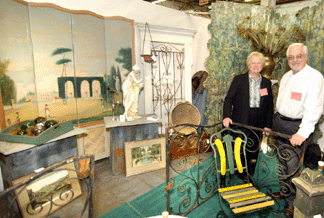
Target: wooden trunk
x,y
16,165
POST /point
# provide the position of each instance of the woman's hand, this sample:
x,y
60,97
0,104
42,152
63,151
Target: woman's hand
x,y
227,121
267,129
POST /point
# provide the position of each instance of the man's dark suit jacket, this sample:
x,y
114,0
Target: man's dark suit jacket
x,y
237,102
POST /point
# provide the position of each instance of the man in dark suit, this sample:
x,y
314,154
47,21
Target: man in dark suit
x,y
249,101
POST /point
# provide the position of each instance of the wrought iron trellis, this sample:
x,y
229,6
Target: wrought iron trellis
x,y
191,183
167,76
84,175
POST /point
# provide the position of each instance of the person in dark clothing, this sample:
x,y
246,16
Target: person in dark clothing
x,y
249,101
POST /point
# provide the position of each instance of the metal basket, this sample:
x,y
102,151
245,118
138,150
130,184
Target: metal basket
x,y
185,113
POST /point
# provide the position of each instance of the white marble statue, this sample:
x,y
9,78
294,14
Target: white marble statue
x,y
131,87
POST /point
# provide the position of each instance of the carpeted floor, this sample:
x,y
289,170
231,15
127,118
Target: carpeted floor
x,y
154,202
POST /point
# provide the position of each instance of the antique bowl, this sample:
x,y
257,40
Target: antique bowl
x,y
38,129
40,120
26,124
50,123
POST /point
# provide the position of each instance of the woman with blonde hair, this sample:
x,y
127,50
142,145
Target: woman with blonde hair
x,y
249,101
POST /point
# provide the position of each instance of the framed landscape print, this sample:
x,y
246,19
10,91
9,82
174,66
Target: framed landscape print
x,y
144,156
48,193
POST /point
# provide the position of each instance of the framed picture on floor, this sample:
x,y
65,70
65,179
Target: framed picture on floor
x,y
144,156
48,193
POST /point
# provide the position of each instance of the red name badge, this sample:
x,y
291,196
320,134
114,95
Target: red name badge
x,y
296,96
263,92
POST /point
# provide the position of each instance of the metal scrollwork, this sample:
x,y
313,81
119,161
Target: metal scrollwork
x,y
197,180
46,192
197,183
167,79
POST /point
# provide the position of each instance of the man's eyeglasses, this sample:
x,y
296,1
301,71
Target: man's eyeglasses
x,y
298,57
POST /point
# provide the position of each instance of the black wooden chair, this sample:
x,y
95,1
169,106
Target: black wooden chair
x,y
241,196
64,189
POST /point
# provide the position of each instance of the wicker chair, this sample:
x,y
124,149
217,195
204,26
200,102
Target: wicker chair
x,y
185,113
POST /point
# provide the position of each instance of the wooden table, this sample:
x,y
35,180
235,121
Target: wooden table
x,y
120,132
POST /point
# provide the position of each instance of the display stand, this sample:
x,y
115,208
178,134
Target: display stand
x,y
120,132
19,159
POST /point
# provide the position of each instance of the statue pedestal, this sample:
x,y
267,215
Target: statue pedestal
x,y
310,194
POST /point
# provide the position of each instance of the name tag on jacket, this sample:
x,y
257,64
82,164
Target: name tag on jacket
x,y
263,92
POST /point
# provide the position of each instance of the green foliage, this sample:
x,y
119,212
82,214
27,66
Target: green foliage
x,y
62,61
228,50
8,89
119,76
227,55
61,51
125,58
312,21
110,83
4,67
111,80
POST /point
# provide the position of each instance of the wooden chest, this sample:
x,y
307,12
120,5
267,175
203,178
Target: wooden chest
x,y
16,165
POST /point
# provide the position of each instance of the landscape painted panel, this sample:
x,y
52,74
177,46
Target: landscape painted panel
x,y
57,63
16,63
51,32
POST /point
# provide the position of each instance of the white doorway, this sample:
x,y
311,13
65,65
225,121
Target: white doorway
x,y
168,80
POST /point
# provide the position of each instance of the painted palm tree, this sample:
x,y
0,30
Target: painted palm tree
x,y
64,61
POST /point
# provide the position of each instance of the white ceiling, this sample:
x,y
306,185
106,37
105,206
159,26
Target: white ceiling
x,y
201,7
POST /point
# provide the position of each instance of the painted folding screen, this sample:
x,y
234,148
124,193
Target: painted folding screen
x,y
57,63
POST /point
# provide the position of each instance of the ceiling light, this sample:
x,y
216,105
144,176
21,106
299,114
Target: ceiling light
x,y
158,1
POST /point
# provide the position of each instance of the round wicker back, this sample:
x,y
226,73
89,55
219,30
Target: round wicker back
x,y
185,113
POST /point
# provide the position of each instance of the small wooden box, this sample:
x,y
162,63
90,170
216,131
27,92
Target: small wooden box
x,y
45,136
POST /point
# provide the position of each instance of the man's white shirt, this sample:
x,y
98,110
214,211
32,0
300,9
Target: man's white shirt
x,y
302,96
